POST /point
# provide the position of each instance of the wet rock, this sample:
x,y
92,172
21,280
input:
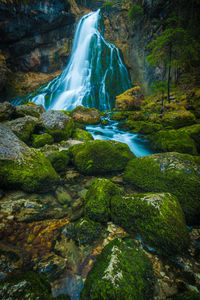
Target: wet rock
x,y
158,218
22,167
86,115
72,176
30,109
120,271
173,172
57,124
98,200
30,207
6,111
23,127
28,285
63,196
84,231
100,157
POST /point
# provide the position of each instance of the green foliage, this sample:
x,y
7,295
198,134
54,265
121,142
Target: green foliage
x,y
135,13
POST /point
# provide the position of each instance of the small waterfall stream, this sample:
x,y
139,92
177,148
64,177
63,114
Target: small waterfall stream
x,y
94,75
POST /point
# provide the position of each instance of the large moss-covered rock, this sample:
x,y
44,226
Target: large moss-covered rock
x,y
158,218
86,115
121,271
178,119
23,127
22,167
100,157
59,160
82,135
194,132
129,100
6,111
39,140
173,140
98,199
57,124
28,285
142,127
84,231
176,173
30,109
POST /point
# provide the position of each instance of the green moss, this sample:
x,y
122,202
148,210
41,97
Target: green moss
x,y
119,116
33,173
173,140
98,199
121,271
82,135
60,135
100,157
27,285
39,140
59,160
158,218
142,127
176,173
194,132
84,231
178,119
189,295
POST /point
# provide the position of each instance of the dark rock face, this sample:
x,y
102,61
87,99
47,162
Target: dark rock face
x,y
132,38
36,36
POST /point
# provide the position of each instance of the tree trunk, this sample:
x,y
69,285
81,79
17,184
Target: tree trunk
x,y
169,75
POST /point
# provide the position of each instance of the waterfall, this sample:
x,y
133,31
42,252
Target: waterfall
x,y
94,75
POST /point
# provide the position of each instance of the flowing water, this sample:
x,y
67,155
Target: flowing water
x,y
138,145
94,75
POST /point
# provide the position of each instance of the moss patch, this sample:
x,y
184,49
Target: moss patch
x,y
98,199
176,173
121,271
39,140
100,157
158,218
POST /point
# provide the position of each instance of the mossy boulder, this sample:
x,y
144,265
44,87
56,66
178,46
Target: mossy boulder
x,y
98,199
22,167
119,116
142,127
27,285
194,132
30,109
100,157
86,115
57,124
171,172
178,119
173,140
149,127
59,160
121,271
23,127
129,100
84,231
39,140
82,135
7,111
157,217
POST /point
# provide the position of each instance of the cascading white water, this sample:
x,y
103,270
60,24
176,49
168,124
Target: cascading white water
x,y
94,75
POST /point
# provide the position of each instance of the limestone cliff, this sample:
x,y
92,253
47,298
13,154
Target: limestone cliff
x,y
133,36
